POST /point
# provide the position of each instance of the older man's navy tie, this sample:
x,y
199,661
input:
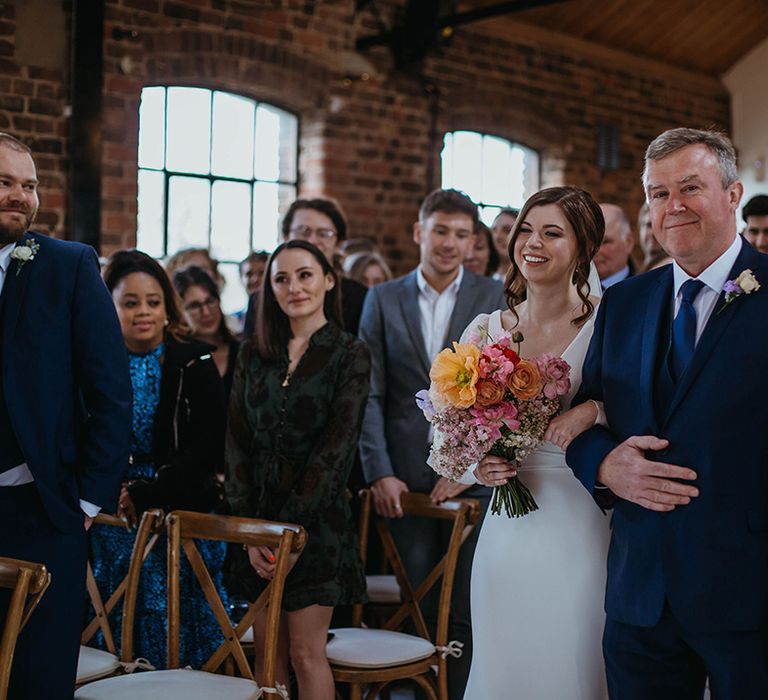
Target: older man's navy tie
x,y
684,330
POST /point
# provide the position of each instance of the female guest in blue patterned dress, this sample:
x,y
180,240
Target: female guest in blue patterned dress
x,y
177,450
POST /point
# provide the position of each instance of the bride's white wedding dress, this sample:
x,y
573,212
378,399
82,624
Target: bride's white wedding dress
x,y
538,581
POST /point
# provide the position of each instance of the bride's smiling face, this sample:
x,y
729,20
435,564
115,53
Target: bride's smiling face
x,y
545,248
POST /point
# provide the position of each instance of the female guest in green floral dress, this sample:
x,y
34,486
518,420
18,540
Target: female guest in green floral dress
x,y
297,401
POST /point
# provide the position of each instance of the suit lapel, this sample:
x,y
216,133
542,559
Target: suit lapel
x,y
15,289
463,310
652,326
716,325
409,305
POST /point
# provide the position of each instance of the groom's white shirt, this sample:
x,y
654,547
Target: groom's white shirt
x,y
713,277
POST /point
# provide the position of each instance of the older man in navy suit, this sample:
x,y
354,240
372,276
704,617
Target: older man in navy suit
x,y
65,419
677,357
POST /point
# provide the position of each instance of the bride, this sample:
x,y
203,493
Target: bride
x,y
538,581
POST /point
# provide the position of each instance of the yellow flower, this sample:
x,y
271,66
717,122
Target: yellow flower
x,y
454,374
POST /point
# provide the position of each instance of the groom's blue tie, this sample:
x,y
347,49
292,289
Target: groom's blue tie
x,y
684,329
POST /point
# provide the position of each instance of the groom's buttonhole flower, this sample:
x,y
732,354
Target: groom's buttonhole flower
x,y
24,252
745,283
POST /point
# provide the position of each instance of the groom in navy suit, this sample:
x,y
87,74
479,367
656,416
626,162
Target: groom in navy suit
x,y
65,418
678,362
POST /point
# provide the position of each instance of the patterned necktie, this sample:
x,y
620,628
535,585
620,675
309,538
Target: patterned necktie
x,y
684,329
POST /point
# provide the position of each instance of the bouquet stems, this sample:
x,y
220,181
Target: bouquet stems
x,y
515,498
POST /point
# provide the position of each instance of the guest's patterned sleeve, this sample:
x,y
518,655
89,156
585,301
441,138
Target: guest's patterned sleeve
x,y
239,483
330,462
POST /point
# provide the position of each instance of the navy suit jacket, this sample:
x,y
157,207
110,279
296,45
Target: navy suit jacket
x,y
708,559
394,435
66,380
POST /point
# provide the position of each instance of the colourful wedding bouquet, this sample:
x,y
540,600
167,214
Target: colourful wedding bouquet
x,y
485,399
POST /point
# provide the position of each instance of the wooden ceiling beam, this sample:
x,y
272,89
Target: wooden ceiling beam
x,y
534,35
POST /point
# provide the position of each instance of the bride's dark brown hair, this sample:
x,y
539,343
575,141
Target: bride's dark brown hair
x,y
586,219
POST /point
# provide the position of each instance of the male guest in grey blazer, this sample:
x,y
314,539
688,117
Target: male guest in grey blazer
x,y
405,323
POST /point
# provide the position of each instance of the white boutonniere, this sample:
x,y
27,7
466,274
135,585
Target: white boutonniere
x,y
25,252
745,283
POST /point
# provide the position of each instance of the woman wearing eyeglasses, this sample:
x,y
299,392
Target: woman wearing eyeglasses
x,y
202,307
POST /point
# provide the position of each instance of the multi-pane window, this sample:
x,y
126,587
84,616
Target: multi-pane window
x,y
216,171
494,172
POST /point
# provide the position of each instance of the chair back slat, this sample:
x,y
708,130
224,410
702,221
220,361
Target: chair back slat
x,y
146,537
100,619
364,524
463,513
203,577
183,528
28,582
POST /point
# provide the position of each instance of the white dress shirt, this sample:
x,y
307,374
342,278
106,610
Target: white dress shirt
x,y
714,277
20,474
436,309
615,278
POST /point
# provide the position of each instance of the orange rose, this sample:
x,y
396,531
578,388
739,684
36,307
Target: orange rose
x,y
489,393
525,381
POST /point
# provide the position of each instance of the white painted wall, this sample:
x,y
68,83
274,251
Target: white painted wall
x,y
747,81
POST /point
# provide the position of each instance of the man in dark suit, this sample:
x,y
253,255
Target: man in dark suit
x,y
321,222
613,259
65,420
405,323
677,357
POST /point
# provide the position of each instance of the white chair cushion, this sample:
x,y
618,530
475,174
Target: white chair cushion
x,y
181,684
367,648
384,590
248,636
95,663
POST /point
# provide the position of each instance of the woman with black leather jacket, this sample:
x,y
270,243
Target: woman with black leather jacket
x,y
176,454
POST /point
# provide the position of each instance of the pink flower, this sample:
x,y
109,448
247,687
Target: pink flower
x,y
497,361
555,375
504,413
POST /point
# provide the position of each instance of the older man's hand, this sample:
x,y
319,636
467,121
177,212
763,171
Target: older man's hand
x,y
629,475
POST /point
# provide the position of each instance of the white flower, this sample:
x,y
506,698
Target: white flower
x,y
22,253
748,282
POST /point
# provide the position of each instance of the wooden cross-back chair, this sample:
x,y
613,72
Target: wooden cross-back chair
x,y
363,656
27,582
93,663
183,529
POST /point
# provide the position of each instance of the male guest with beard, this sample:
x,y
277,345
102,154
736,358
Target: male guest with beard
x,y
65,420
755,215
406,323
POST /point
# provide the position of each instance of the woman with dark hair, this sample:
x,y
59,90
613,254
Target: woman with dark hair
x,y
177,448
482,258
202,305
295,412
538,581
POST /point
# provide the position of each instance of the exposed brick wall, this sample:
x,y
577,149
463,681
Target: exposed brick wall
x,y
33,107
373,144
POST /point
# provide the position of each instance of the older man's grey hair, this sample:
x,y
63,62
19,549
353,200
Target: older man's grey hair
x,y
675,139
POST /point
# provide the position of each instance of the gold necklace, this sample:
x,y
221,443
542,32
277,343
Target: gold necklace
x,y
288,374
